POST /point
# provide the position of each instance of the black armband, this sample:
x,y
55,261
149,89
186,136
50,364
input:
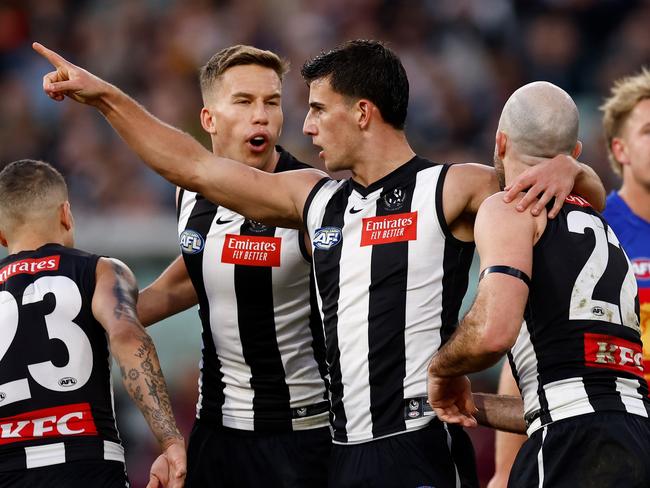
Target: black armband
x,y
509,270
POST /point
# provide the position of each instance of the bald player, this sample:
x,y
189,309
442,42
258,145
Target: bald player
x,y
577,356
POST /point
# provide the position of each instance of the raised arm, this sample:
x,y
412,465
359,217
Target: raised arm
x,y
276,199
171,293
114,306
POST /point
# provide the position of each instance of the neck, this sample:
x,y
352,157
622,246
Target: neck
x,y
516,165
381,154
31,243
637,197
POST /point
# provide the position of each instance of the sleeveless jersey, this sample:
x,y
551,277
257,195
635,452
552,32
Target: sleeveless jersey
x,y
634,234
56,397
579,349
391,278
263,352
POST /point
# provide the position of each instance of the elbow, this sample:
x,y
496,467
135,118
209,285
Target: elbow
x,y
497,339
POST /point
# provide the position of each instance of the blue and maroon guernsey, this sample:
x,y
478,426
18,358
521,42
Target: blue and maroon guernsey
x,y
634,234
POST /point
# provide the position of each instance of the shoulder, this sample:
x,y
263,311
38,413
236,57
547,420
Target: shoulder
x,y
498,215
467,185
112,268
471,173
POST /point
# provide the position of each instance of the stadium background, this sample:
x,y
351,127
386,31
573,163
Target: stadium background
x,y
463,57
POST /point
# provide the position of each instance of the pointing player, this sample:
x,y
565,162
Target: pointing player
x,y
262,387
391,248
60,311
577,357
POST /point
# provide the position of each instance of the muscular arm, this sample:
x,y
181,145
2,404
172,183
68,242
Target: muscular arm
x,y
171,293
276,199
491,326
467,186
114,306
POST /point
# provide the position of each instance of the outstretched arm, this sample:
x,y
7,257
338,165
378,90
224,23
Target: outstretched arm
x,y
114,307
276,199
171,293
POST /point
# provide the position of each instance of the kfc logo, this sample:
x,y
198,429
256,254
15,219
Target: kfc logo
x,y
66,420
605,351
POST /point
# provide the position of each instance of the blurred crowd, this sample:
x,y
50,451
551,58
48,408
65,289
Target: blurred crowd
x,y
463,57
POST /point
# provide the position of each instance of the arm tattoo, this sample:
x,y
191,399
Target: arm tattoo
x,y
125,293
145,383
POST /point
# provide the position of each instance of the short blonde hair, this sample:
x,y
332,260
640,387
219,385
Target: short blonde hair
x,y
239,55
625,95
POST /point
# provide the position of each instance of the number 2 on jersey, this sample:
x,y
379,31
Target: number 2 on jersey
x,y
60,326
583,306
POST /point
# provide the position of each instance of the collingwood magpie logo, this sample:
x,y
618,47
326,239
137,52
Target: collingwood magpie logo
x,y
191,242
394,199
257,226
326,238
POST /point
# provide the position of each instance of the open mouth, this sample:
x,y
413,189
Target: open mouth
x,y
258,141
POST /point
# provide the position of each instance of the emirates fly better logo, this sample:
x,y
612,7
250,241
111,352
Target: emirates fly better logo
x,y
389,228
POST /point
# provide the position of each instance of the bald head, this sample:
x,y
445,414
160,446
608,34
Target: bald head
x,y
540,120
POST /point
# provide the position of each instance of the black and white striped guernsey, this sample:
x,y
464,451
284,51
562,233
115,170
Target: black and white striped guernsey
x,y
579,349
56,396
391,278
263,359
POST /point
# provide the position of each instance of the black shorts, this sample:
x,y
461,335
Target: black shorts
x,y
75,474
219,457
438,455
604,449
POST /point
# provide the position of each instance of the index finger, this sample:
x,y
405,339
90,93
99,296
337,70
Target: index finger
x,y
54,58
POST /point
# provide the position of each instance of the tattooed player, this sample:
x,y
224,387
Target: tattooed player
x,y
60,311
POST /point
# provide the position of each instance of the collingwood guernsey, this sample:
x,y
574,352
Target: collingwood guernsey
x,y
263,354
390,278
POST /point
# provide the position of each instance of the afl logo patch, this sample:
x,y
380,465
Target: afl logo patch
x,y
67,381
191,242
394,199
326,238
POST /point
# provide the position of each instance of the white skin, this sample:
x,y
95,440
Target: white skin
x,y
243,116
352,135
113,306
631,148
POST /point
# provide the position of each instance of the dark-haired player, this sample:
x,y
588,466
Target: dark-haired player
x,y
391,248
